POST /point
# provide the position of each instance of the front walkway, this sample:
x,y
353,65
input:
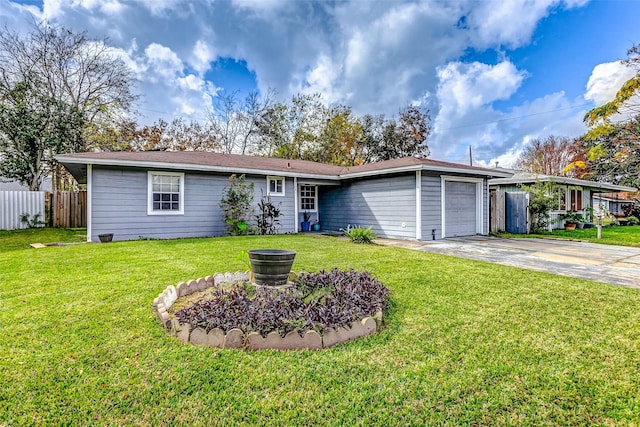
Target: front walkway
x,y
618,265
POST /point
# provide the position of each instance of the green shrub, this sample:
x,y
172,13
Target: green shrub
x,y
359,234
268,218
632,220
237,205
32,221
543,197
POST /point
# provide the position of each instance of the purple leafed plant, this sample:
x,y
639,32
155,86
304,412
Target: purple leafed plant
x,y
316,301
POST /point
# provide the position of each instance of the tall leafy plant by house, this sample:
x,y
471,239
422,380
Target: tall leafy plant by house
x,y
543,197
237,204
268,217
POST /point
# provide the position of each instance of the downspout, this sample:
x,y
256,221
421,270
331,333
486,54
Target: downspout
x,y
89,200
418,205
295,204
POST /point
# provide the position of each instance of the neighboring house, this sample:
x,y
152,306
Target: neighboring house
x,y
177,194
511,199
613,203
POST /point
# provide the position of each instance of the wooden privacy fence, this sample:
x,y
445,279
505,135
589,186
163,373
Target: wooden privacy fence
x,y
68,209
497,214
14,204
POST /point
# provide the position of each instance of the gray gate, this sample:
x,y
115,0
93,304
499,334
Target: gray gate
x,y
516,212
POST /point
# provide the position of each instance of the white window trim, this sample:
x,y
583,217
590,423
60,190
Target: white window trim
x,y
274,193
315,201
479,201
150,175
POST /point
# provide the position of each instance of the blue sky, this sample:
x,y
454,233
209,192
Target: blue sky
x,y
495,74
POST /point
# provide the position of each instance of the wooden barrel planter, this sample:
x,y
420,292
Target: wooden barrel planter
x,y
105,238
271,267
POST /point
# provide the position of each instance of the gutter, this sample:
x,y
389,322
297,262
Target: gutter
x,y
226,169
193,167
420,167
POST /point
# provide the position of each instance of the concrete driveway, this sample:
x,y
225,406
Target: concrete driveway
x,y
618,265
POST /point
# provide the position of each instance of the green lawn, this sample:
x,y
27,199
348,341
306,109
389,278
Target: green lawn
x,y
611,235
21,239
466,343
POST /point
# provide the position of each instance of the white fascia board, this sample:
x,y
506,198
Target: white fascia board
x,y
605,186
226,169
192,167
431,168
562,180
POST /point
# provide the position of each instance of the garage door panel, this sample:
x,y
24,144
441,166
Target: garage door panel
x,y
460,208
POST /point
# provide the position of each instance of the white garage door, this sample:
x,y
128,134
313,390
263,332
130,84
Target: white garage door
x,y
460,208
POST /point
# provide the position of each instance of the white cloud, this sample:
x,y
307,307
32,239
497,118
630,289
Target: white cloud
x,y
322,79
510,23
376,56
500,136
605,80
17,17
163,61
112,7
51,9
260,6
466,86
160,8
202,56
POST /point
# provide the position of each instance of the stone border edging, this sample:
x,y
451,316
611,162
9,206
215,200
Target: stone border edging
x,y
235,338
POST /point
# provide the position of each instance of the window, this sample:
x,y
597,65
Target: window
x,y
165,193
275,186
562,198
308,197
575,199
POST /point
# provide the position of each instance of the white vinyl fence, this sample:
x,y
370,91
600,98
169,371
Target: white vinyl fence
x,y
15,203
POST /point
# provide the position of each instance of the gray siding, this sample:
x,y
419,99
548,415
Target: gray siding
x,y
383,203
431,207
119,205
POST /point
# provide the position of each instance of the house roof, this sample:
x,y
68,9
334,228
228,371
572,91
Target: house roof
x,y
530,178
620,197
233,163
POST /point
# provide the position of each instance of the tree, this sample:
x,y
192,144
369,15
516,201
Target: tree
x,y
543,197
193,136
552,156
599,119
340,141
613,148
392,139
80,71
291,130
272,130
615,157
122,136
179,135
413,129
235,123
307,129
34,128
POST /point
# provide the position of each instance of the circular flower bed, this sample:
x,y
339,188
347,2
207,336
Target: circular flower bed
x,y
317,310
